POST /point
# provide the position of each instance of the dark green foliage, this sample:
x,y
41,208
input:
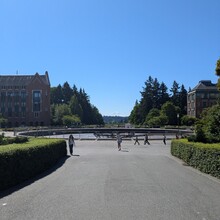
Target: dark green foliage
x,y
2,139
188,120
217,69
154,96
192,138
67,93
3,121
67,103
200,134
135,116
205,157
175,98
10,140
183,101
56,95
155,119
18,140
208,127
217,72
19,162
154,112
71,120
75,106
170,111
212,127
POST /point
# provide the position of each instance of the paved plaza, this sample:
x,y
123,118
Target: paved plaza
x,y
141,182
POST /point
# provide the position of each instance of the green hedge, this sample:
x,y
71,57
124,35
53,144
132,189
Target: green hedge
x,y
19,162
205,157
11,140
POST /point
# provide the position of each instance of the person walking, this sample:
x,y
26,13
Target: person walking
x,y
146,141
136,141
164,139
119,140
71,143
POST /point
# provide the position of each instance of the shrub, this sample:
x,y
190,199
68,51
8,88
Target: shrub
x,y
11,140
19,162
205,157
188,120
208,127
192,138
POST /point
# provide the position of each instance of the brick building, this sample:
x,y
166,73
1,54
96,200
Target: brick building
x,y
25,99
204,95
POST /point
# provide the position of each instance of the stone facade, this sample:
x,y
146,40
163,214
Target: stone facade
x,y
25,99
204,95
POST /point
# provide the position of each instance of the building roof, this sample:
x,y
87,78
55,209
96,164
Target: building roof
x,y
22,80
205,85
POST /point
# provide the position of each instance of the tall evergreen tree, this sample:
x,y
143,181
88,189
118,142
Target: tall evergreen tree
x,y
175,94
75,91
135,116
163,95
156,94
183,100
146,103
97,117
217,72
56,95
86,106
67,92
75,107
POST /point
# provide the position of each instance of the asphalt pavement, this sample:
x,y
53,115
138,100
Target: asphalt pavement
x,y
141,182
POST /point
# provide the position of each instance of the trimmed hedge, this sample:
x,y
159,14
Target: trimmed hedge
x,y
204,157
19,162
11,140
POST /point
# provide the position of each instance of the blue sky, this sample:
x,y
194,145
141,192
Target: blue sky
x,y
111,47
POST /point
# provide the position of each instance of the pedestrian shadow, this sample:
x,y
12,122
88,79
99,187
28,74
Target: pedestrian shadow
x,y
30,181
75,155
125,151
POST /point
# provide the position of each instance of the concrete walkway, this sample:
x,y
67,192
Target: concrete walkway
x,y
102,183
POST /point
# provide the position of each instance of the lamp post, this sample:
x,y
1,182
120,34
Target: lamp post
x,y
178,116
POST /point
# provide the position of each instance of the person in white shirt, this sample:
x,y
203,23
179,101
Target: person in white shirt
x,y
71,143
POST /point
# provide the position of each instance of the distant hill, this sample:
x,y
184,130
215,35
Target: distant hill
x,y
115,119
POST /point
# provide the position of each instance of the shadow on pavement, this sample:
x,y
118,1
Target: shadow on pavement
x,y
13,189
124,151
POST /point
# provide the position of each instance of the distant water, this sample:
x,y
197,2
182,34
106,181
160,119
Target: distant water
x,y
91,136
76,136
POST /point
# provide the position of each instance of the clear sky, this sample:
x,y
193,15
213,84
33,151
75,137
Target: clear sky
x,y
111,47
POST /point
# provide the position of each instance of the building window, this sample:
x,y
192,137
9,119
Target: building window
x,y
10,94
16,97
3,96
23,96
36,101
9,112
16,110
23,109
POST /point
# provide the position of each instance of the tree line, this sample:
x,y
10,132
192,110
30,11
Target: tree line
x,y
71,106
159,107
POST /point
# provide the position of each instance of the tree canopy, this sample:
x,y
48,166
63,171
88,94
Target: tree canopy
x,y
154,96
72,106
